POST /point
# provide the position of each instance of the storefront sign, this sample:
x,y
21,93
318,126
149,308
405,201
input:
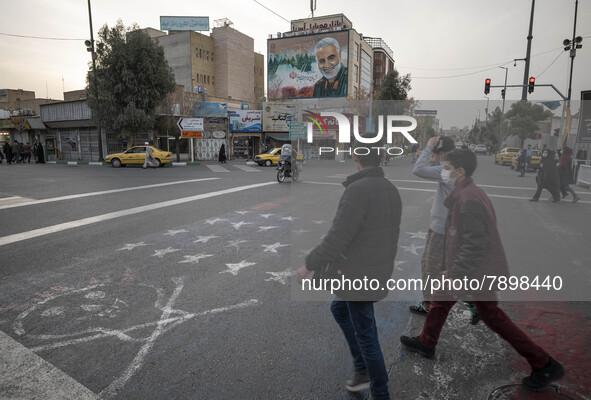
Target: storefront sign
x,y
246,121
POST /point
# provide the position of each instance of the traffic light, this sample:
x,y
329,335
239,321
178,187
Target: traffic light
x,y
503,94
486,85
89,46
532,82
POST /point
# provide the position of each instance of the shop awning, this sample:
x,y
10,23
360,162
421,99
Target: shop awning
x,y
279,136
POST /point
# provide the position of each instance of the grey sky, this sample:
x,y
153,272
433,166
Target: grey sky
x,y
429,38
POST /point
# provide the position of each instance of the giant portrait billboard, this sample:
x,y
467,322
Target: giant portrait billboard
x,y
308,66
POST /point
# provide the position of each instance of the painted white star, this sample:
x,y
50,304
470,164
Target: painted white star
x,y
273,247
288,218
397,263
163,252
418,235
280,277
266,215
412,248
235,243
319,222
306,252
131,246
204,239
266,228
234,268
300,231
238,225
173,232
242,212
194,259
214,220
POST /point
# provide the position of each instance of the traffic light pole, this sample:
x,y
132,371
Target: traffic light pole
x,y
96,92
527,56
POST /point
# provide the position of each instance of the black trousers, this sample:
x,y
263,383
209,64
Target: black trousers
x,y
552,190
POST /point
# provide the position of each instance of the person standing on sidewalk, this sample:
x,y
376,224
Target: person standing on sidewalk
x,y
473,249
565,167
361,244
429,166
547,177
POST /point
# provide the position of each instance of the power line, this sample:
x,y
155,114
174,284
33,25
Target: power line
x,y
36,37
559,54
454,76
262,5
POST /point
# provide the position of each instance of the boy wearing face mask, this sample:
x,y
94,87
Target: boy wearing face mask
x,y
473,249
429,166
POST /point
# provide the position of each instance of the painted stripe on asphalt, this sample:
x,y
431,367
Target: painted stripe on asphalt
x,y
216,168
105,217
80,195
500,196
247,168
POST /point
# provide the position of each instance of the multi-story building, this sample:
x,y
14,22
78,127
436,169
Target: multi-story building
x,y
383,61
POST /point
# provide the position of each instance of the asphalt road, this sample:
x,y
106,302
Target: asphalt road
x,y
176,283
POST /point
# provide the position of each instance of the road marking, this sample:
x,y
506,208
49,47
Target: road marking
x,y
499,196
216,168
247,168
123,213
80,195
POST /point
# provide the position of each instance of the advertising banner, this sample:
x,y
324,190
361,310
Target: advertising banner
x,y
184,23
584,135
211,109
277,116
246,121
308,66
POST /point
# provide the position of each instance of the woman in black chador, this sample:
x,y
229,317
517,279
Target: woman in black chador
x,y
222,154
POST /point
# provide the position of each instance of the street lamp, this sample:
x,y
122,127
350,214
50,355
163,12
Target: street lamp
x,y
504,95
90,47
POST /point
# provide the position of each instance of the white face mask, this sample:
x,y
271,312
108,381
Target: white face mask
x,y
446,176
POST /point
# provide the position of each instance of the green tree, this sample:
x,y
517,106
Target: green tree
x,y
523,117
132,79
394,86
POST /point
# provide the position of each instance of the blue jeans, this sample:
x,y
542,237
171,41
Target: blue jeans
x,y
358,324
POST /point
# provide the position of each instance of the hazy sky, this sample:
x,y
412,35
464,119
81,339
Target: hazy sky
x,y
456,43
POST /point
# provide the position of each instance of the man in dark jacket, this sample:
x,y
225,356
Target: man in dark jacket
x,y
473,249
361,243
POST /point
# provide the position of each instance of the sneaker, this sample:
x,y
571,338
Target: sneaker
x,y
358,383
576,199
415,345
419,309
541,378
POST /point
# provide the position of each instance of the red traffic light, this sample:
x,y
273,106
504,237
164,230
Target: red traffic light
x,y
486,85
487,81
532,82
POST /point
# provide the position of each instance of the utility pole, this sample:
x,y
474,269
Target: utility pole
x,y
571,45
527,56
503,110
96,91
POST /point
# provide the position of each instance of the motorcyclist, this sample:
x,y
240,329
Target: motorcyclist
x,y
287,154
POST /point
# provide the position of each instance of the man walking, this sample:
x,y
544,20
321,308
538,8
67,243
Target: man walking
x,y
473,249
361,243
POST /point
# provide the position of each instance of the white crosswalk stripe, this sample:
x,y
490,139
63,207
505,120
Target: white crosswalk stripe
x,y
216,168
247,168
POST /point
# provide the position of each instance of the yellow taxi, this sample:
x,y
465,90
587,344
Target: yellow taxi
x,y
534,162
506,155
136,155
271,157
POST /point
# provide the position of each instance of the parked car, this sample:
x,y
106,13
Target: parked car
x,y
136,155
271,157
534,162
506,155
480,149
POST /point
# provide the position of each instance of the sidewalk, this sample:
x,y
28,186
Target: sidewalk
x,y
473,363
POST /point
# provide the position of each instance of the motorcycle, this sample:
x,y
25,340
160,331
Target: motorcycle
x,y
285,171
